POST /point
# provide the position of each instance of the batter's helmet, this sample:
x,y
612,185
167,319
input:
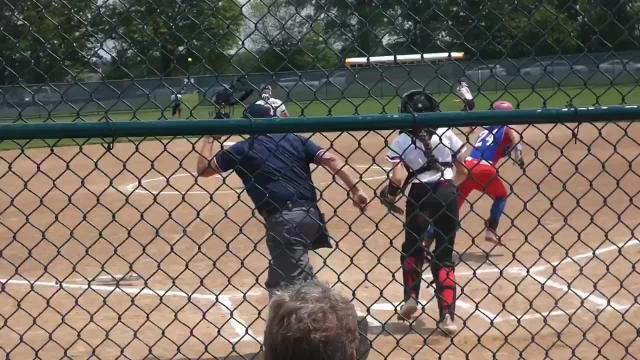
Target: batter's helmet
x,y
418,101
502,105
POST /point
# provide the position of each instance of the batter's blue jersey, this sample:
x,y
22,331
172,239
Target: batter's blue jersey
x,y
492,145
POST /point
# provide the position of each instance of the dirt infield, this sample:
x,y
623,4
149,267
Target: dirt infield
x,y
74,221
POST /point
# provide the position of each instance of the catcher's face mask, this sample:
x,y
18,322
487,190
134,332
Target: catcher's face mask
x,y
418,101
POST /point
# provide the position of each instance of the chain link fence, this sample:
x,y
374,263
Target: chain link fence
x,y
112,246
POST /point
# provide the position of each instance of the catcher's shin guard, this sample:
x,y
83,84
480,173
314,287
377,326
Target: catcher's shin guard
x,y
412,275
445,278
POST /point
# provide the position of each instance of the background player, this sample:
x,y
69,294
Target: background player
x,y
494,143
276,104
464,93
176,104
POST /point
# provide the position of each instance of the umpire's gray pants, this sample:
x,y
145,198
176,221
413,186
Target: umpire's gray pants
x,y
290,236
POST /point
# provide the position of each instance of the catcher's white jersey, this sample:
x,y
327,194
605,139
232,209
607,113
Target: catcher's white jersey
x,y
446,148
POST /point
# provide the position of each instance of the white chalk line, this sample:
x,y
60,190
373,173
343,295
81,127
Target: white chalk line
x,y
135,186
593,297
588,254
523,270
475,309
491,317
474,272
131,290
115,277
423,303
242,330
223,300
371,321
534,315
240,327
603,303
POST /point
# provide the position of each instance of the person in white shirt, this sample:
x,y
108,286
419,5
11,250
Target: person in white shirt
x,y
464,93
176,105
276,104
424,161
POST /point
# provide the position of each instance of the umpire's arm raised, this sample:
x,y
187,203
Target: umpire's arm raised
x,y
207,166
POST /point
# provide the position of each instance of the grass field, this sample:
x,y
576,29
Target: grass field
x,y
523,98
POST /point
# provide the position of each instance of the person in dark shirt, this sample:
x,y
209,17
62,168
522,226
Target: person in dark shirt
x,y
275,171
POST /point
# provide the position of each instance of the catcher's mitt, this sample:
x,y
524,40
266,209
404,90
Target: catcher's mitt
x,y
389,201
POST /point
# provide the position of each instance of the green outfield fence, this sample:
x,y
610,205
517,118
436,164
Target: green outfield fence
x,y
111,246
73,99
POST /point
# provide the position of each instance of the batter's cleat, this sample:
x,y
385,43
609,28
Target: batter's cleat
x,y
491,236
448,326
408,309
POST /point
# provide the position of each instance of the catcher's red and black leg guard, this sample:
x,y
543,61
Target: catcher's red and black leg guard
x,y
412,275
413,251
445,223
445,278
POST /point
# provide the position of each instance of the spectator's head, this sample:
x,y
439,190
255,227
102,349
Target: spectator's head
x,y
259,111
310,321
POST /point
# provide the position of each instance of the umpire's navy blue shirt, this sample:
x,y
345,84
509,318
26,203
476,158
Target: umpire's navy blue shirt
x,y
273,168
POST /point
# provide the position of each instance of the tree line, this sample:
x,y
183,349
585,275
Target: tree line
x,y
54,40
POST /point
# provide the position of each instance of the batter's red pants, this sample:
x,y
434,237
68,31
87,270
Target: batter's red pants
x,y
483,177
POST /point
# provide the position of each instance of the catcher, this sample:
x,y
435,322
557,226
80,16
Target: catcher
x,y
424,161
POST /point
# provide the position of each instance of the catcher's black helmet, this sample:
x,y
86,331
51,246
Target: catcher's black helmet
x,y
418,101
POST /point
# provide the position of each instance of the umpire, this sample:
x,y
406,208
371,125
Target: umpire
x,y
424,158
275,171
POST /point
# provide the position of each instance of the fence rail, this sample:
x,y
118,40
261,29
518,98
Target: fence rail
x,y
316,124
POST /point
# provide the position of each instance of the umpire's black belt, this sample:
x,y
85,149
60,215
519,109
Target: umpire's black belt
x,y
288,206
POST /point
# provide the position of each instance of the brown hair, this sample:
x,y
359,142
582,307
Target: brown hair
x,y
312,322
